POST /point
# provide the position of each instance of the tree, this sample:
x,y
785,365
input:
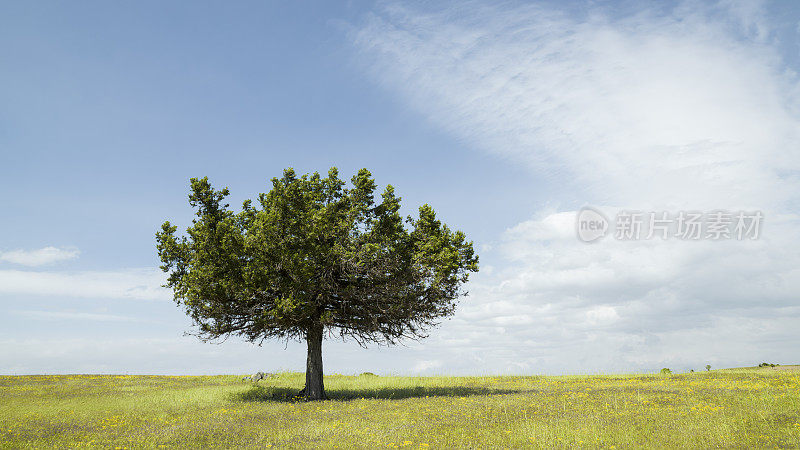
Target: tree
x,y
314,258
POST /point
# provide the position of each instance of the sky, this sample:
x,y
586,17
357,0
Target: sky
x,y
507,118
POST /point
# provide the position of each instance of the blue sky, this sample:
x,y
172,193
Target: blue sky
x,y
506,118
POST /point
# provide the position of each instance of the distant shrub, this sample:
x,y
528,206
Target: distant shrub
x,y
708,367
765,364
665,371
368,374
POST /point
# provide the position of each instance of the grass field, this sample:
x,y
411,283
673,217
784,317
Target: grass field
x,y
734,408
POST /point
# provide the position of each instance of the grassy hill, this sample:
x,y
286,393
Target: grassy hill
x,y
741,408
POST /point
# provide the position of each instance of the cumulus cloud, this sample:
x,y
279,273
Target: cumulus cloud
x,y
39,257
144,284
689,107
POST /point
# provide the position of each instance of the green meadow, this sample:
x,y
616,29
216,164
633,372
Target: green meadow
x,y
727,408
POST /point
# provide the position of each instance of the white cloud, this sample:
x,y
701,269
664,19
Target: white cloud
x,y
602,314
39,257
142,284
692,108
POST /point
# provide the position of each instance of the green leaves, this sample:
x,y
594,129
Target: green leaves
x,y
311,252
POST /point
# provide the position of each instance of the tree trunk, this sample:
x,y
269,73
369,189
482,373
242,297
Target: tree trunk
x,y
315,387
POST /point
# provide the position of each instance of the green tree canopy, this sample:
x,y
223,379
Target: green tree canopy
x,y
314,257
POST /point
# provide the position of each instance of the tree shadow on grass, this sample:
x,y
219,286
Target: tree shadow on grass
x,y
283,394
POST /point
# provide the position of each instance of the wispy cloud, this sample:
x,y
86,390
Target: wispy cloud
x,y
39,257
681,105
